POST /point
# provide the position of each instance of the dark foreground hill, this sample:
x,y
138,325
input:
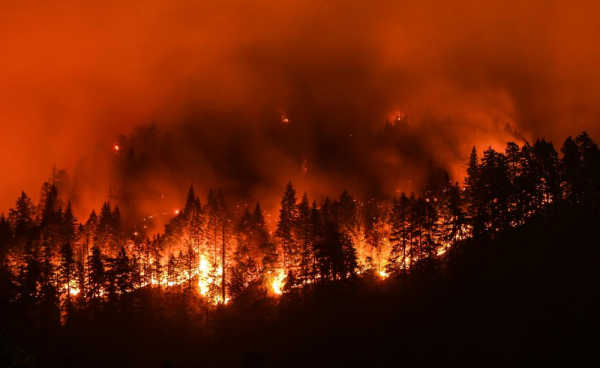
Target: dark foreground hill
x,y
526,297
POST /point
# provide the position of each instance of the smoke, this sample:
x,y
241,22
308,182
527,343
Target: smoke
x,y
218,78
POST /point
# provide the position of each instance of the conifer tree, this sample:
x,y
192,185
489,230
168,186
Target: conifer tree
x,y
305,237
267,248
69,225
473,193
28,280
571,171
288,215
96,280
400,236
67,272
547,158
453,214
21,217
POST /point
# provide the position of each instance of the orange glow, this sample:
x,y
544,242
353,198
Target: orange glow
x,y
277,283
384,95
128,73
203,279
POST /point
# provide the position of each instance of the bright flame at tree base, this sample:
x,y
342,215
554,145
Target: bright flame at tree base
x,y
277,283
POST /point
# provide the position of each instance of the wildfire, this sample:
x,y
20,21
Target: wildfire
x,y
277,283
203,280
443,249
71,288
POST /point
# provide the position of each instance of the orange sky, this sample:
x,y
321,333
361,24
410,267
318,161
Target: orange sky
x,y
77,74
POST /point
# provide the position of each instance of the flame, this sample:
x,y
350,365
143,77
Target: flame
x,y
277,283
203,280
72,288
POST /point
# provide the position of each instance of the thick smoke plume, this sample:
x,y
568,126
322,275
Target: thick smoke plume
x,y
247,95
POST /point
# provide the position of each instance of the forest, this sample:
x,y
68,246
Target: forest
x,y
499,268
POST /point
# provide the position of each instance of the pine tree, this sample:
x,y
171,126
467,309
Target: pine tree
x,y
495,191
123,272
49,303
69,224
316,227
104,229
288,215
67,271
527,192
246,255
192,203
116,228
417,224
473,192
571,171
6,235
157,270
345,212
268,250
431,234
188,264
304,229
453,214
21,218
48,204
515,161
96,281
379,250
214,217
172,270
28,280
336,257
547,158
7,283
400,236
91,231
589,154
224,242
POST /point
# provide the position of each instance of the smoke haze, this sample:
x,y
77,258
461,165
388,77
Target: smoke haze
x,y
219,79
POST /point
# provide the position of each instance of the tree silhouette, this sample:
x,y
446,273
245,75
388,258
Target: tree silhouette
x,y
288,215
